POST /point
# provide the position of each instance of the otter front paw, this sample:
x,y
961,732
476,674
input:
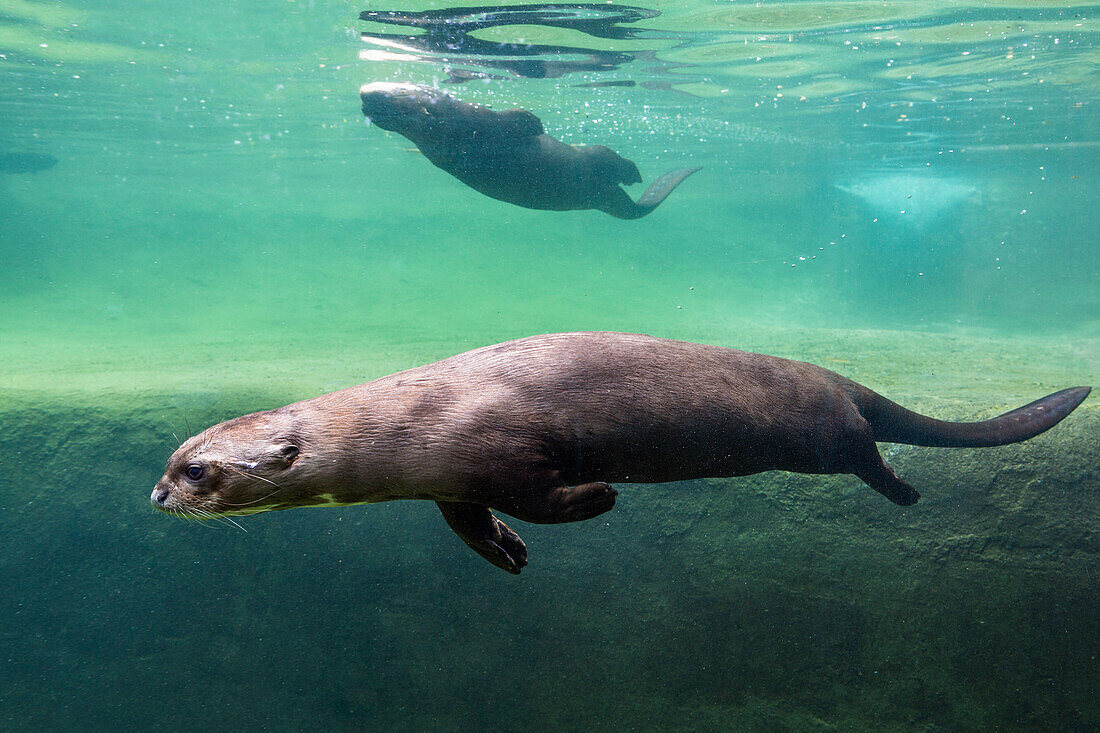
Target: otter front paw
x,y
485,534
507,551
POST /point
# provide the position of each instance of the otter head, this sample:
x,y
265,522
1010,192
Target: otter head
x,y
243,466
410,109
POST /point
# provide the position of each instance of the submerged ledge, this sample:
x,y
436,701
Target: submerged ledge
x,y
133,403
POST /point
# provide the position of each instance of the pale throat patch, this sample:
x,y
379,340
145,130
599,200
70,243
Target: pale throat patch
x,y
330,500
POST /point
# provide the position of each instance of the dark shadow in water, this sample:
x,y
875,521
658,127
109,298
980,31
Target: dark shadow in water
x,y
26,162
445,38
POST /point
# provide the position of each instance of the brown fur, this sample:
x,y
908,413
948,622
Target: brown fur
x,y
536,427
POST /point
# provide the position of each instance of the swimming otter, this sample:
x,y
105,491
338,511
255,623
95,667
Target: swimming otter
x,y
535,428
508,156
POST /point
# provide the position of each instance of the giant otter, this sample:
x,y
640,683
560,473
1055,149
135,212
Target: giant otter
x,y
536,428
507,155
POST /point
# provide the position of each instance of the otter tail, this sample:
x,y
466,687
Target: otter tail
x,y
620,205
892,423
659,190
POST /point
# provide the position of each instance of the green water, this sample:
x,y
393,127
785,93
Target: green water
x,y
905,192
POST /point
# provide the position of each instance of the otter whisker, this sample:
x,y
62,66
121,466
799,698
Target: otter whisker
x,y
247,503
172,431
207,516
193,517
223,519
231,521
248,511
201,518
258,478
187,517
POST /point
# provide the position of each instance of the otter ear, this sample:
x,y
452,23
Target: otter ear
x,y
279,454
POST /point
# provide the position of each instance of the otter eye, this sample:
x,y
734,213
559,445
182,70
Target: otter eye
x,y
194,472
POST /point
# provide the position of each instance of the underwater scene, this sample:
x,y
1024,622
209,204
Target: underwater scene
x,y
210,209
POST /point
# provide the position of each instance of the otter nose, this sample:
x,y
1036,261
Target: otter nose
x,y
160,495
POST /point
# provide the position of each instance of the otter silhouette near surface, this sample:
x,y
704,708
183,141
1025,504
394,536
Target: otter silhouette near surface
x,y
508,156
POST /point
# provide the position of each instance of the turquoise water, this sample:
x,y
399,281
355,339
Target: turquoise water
x,y
197,223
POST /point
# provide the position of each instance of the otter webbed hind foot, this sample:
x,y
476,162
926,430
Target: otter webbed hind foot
x,y
885,481
877,473
560,504
485,534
